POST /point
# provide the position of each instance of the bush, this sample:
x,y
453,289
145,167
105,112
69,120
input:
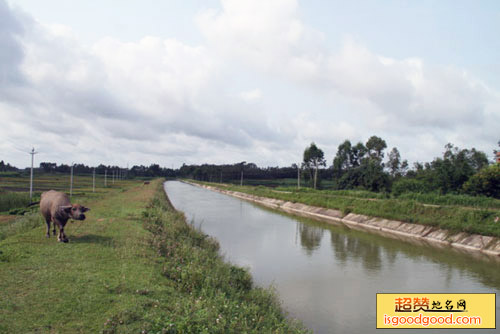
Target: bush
x,y
486,182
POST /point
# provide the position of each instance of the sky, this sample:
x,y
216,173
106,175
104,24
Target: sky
x,y
128,82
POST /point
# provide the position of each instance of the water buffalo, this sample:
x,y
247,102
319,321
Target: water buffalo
x,y
56,207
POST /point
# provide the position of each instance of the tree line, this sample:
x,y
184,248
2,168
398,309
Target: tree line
x,y
153,170
362,166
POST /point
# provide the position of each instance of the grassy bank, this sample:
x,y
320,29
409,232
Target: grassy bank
x,y
479,219
134,266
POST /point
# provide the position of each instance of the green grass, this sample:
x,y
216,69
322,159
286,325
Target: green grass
x,y
453,200
20,224
10,174
477,220
134,266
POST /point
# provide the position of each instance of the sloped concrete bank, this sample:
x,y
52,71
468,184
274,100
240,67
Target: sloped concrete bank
x,y
415,233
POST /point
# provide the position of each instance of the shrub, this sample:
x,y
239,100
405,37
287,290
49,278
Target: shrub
x,y
485,182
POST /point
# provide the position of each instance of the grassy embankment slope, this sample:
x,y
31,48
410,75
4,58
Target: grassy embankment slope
x,y
453,212
133,266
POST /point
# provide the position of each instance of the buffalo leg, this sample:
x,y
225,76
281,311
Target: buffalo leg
x,y
48,227
61,231
64,238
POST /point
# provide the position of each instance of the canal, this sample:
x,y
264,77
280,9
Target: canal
x,y
328,276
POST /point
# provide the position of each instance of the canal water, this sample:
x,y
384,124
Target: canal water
x,y
328,276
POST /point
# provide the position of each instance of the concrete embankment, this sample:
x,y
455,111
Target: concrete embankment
x,y
415,233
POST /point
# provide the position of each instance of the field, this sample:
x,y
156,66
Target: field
x,y
454,212
58,181
14,188
134,266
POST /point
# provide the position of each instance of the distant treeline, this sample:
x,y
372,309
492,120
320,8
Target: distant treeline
x,y
153,170
233,172
6,167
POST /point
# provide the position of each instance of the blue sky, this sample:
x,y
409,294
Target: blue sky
x,y
131,82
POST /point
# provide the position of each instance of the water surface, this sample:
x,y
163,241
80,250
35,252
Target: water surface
x,y
328,276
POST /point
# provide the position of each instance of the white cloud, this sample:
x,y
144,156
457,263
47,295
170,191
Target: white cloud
x,y
403,95
251,95
266,34
75,98
162,100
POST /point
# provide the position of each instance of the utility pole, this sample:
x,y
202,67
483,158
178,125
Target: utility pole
x,y
315,176
31,175
71,182
242,166
93,180
113,177
105,178
298,176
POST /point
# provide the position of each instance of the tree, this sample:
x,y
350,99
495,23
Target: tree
x,y
394,163
6,167
450,172
352,168
313,159
404,167
376,146
373,177
342,160
48,167
486,182
496,154
358,153
397,168
348,157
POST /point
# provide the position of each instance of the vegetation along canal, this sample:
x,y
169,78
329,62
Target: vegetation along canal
x,y
328,276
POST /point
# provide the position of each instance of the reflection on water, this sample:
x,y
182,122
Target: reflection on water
x,y
328,276
347,248
310,237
